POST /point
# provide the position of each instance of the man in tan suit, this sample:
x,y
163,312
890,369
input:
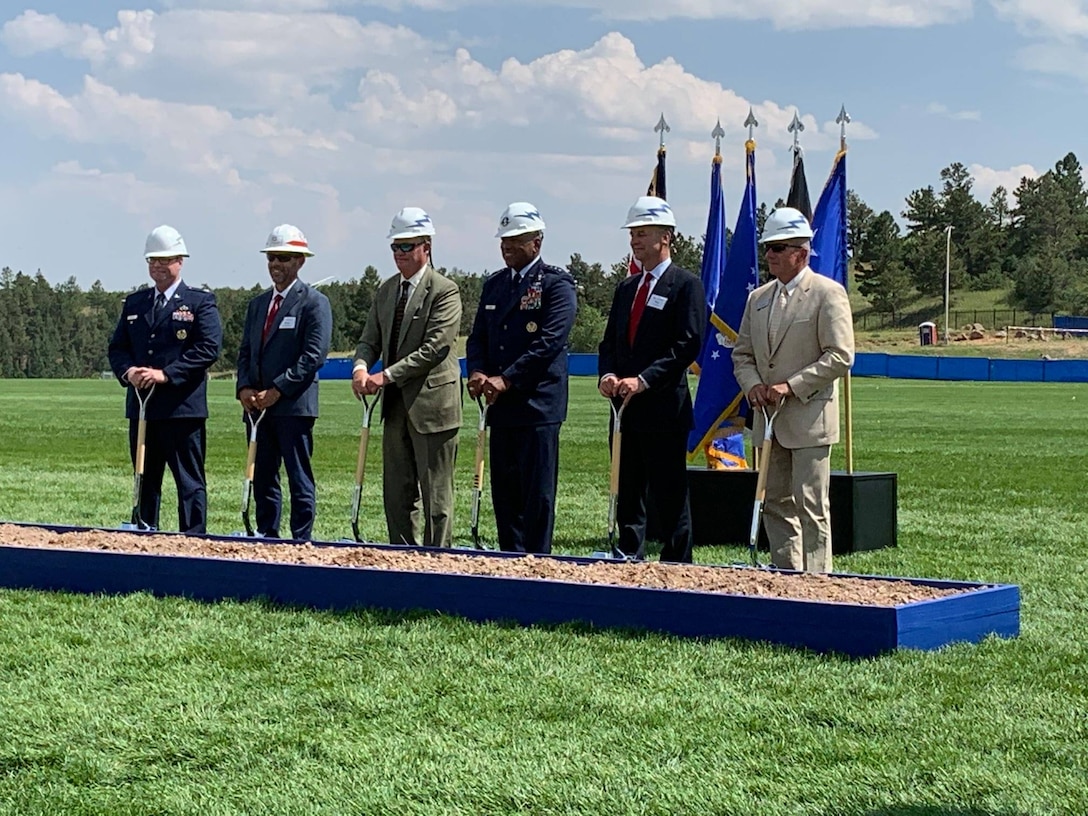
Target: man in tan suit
x,y
796,339
411,327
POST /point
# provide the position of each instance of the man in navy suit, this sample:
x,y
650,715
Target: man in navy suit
x,y
517,360
654,333
284,344
168,337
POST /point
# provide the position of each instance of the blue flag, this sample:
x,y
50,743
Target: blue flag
x,y
829,225
714,244
720,406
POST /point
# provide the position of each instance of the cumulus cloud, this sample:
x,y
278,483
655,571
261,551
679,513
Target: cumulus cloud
x,y
988,179
126,44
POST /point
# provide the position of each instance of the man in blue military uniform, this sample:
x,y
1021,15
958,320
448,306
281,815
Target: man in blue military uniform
x,y
168,337
284,343
517,360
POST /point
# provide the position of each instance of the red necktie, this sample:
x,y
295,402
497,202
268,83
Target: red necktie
x,y
638,308
276,301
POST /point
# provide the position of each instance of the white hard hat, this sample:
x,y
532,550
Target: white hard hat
x,y
287,238
519,218
165,242
785,224
650,211
411,222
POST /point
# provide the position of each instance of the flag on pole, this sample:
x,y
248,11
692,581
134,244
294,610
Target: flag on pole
x,y
798,197
714,243
829,225
720,406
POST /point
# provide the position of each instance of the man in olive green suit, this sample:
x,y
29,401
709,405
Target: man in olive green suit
x,y
411,328
795,340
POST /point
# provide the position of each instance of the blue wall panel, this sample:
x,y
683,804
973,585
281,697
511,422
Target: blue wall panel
x,y
894,366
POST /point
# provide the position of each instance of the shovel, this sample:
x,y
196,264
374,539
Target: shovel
x,y
614,550
761,481
251,460
360,465
141,449
478,473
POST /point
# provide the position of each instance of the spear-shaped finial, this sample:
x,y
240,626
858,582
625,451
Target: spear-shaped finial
x,y
796,127
662,127
717,135
751,123
842,120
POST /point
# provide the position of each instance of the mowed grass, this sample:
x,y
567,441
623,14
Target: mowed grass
x,y
138,705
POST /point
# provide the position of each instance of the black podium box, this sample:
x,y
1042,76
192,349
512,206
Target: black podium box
x,y
863,508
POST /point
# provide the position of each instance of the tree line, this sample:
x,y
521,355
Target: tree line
x,y
1034,244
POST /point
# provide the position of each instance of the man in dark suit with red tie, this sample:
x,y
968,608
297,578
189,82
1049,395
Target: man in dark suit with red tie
x,y
654,333
284,343
167,338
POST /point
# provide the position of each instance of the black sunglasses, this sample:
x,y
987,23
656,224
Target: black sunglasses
x,y
405,247
780,247
281,257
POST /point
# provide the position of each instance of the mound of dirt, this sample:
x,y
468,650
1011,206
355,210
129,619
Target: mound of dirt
x,y
683,577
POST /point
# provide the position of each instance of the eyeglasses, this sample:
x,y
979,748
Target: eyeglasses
x,y
280,257
405,247
776,248
163,261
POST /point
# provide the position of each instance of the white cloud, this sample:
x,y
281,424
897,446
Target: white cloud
x,y
340,125
1058,19
938,109
124,190
988,179
788,14
126,44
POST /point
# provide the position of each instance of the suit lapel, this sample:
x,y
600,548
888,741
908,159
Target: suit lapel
x,y
761,321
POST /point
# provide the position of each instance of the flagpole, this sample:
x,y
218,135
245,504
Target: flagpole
x,y
842,120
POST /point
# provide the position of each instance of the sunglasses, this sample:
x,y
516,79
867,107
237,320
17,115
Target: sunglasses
x,y
776,248
405,247
280,257
163,261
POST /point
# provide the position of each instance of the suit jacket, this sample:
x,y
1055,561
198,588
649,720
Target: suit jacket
x,y
297,345
184,342
815,346
426,371
521,332
669,339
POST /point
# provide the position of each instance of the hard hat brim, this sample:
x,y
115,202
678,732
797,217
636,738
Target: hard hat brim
x,y
288,250
165,255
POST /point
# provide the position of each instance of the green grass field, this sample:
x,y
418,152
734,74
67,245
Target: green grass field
x,y
137,705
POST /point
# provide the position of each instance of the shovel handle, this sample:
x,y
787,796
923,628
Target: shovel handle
x,y
360,462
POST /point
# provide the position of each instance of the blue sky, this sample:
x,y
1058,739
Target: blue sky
x,y
224,118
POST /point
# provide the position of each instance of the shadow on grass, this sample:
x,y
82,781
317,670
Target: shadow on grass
x,y
372,616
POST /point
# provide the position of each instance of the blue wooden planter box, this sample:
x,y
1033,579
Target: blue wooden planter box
x,y
851,629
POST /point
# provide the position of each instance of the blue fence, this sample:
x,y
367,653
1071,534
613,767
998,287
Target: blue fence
x,y
893,366
1070,322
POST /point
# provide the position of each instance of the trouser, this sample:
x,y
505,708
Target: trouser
x,y
524,480
797,510
417,480
288,440
179,444
653,470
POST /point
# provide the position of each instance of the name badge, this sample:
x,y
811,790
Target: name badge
x,y
490,307
130,318
656,302
288,322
